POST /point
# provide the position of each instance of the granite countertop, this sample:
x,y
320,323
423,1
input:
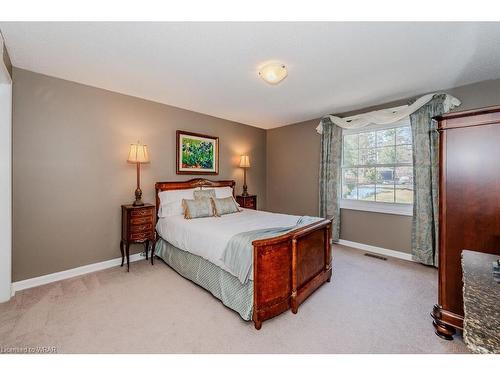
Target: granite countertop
x,y
481,302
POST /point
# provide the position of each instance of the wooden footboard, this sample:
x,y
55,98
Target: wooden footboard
x,y
288,268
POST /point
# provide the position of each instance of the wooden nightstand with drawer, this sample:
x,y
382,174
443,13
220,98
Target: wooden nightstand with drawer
x,y
247,201
138,226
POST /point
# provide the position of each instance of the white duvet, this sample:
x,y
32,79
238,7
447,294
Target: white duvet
x,y
208,237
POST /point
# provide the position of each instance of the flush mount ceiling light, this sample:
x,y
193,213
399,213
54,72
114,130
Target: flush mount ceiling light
x,y
273,72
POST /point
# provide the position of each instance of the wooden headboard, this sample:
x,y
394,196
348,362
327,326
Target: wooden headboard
x,y
194,183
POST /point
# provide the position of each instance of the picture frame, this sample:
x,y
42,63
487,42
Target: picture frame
x,y
196,154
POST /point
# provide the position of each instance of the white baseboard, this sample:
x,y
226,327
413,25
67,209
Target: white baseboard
x,y
377,250
52,277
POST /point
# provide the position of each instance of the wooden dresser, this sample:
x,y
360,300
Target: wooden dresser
x,y
138,226
469,204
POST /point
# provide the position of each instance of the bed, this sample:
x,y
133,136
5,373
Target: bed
x,y
285,269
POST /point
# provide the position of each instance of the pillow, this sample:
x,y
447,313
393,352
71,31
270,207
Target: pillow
x,y
171,201
221,192
204,194
195,208
224,206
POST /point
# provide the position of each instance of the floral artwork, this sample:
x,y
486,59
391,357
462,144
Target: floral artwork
x,y
196,153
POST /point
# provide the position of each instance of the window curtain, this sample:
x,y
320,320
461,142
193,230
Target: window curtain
x,y
329,174
425,222
425,166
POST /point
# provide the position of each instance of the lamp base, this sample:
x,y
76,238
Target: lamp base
x,y
245,191
138,203
138,198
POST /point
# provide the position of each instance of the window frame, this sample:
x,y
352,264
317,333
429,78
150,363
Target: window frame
x,y
405,209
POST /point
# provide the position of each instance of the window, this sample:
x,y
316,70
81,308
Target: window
x,y
377,171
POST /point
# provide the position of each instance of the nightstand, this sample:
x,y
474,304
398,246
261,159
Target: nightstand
x,y
249,201
138,226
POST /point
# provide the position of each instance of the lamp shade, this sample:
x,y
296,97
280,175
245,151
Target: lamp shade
x,y
244,161
138,153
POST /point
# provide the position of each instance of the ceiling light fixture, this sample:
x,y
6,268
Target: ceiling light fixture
x,y
273,72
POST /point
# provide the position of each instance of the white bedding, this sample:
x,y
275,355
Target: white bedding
x,y
207,237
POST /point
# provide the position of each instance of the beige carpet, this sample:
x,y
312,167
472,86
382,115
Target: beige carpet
x,y
371,306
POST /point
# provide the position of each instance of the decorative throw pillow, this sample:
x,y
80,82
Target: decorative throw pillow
x,y
204,194
224,206
195,208
222,192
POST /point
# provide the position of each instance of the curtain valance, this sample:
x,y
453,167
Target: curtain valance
x,y
385,116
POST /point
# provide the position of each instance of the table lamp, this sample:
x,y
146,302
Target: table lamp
x,y
138,154
244,163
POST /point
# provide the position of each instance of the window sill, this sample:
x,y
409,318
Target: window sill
x,y
385,208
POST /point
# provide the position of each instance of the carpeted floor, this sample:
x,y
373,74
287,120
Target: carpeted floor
x,y
371,306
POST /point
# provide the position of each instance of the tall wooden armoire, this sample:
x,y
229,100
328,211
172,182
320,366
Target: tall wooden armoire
x,y
469,203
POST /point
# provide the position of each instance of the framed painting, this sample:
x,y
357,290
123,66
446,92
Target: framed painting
x,y
196,153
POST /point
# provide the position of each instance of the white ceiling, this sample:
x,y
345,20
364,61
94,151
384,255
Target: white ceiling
x,y
212,67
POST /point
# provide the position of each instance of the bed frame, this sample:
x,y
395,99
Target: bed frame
x,y
286,269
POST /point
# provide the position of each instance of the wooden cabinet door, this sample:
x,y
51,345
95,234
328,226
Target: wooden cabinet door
x,y
470,201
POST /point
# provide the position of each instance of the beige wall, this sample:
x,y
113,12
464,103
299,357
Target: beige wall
x,y
293,168
70,142
70,172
